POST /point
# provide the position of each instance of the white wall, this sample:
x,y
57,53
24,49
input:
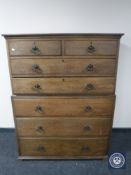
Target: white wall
x,y
68,16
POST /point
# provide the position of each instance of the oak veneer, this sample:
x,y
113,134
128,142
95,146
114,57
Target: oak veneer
x,y
63,93
24,47
69,86
63,106
64,126
63,146
38,67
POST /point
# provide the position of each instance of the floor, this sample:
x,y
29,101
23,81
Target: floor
x,y
10,165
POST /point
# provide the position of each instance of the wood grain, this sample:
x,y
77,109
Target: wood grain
x,y
63,93
62,67
24,47
81,47
63,147
64,126
69,86
56,106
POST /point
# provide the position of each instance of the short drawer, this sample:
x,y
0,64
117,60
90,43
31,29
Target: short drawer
x,y
64,126
34,47
91,86
65,67
59,106
63,147
86,47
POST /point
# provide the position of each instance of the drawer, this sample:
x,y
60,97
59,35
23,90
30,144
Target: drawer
x,y
59,106
63,147
91,86
65,67
86,47
64,126
34,47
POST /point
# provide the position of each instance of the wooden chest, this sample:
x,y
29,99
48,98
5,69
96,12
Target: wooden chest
x,y
63,93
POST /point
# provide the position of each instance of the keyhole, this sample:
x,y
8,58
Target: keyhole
x,y
63,79
63,61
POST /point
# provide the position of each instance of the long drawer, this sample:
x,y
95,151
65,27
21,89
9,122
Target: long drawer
x,y
34,47
65,126
90,47
89,86
63,147
62,67
59,106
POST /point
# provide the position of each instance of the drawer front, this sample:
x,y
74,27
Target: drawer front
x,y
79,126
55,67
91,86
63,147
34,47
84,47
56,106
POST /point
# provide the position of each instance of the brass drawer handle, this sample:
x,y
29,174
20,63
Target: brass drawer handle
x,y
88,109
91,48
85,148
36,68
40,129
87,128
41,148
90,87
37,87
90,68
39,109
35,50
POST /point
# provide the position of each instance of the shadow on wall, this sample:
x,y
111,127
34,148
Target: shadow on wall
x,y
124,69
123,87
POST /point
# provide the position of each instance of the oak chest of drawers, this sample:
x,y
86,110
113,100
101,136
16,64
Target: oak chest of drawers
x,y
63,93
